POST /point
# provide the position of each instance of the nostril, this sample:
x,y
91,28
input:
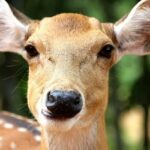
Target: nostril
x,y
76,98
50,98
77,101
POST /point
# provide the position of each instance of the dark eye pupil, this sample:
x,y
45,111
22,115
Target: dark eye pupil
x,y
106,51
31,50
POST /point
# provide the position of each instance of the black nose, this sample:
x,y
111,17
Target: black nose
x,y
63,104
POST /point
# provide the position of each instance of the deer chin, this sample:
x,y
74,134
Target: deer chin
x,y
57,124
81,120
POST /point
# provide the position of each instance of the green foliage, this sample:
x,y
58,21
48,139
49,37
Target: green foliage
x,y
128,71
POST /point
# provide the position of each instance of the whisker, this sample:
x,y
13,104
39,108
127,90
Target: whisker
x,y
17,73
18,84
11,66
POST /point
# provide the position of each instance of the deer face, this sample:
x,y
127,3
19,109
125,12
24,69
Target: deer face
x,y
69,58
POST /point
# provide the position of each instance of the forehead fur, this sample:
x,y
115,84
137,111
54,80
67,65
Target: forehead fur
x,y
68,22
71,22
65,30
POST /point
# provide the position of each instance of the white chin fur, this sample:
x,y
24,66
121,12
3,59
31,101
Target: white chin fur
x,y
62,125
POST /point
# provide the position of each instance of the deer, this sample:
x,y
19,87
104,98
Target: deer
x,y
69,57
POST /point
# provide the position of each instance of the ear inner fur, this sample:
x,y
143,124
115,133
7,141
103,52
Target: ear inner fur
x,y
133,31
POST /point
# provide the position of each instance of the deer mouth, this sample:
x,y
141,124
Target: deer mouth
x,y
51,116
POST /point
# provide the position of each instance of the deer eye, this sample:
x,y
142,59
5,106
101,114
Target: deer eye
x,y
31,50
106,51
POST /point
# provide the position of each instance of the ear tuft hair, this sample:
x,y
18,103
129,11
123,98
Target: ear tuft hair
x,y
133,32
12,31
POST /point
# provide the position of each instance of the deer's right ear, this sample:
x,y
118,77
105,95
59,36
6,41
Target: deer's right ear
x,y
133,31
12,31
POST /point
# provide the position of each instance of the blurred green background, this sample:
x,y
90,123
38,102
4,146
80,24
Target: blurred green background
x,y
128,121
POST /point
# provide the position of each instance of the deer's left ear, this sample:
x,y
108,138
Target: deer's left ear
x,y
133,32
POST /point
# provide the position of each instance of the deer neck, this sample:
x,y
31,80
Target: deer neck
x,y
88,138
